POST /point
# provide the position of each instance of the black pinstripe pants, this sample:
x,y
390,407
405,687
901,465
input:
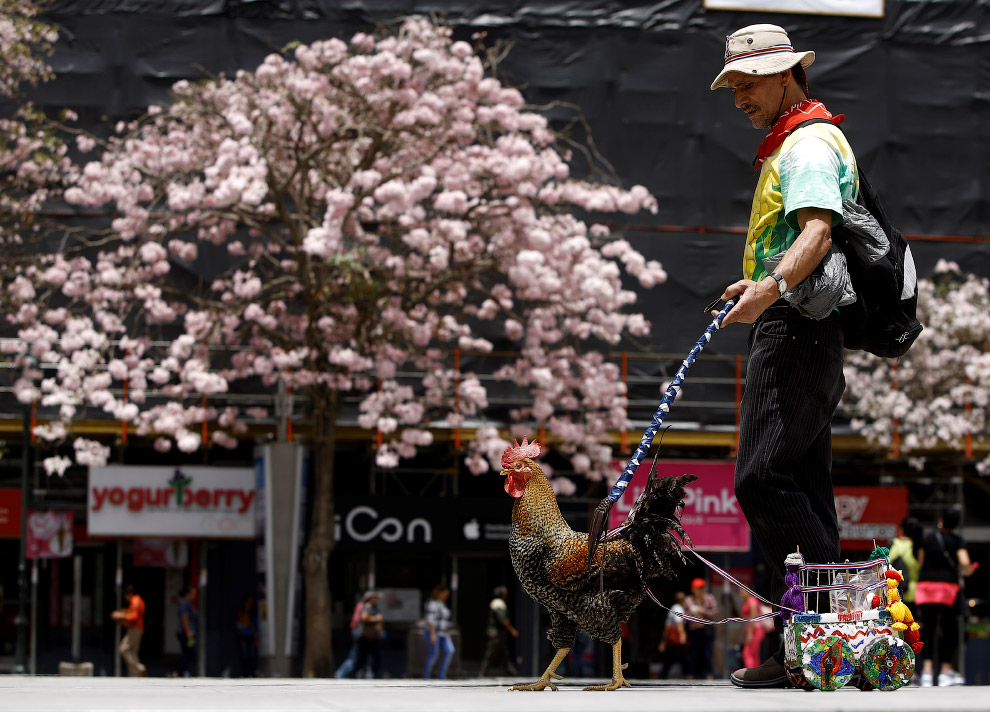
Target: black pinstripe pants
x,y
784,465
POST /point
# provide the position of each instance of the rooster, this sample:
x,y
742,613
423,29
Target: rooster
x,y
553,565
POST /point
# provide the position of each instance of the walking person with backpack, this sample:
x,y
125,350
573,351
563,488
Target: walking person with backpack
x,y
347,666
794,378
370,641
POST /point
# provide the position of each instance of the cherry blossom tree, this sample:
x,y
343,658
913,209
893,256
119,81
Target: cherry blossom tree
x,y
942,384
32,157
379,202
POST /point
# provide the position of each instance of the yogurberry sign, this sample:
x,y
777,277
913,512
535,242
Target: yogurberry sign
x,y
211,502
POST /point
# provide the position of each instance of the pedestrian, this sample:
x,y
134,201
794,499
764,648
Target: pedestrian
x,y
131,618
187,631
500,631
674,644
372,633
247,636
351,660
753,633
944,562
794,376
904,550
436,633
701,638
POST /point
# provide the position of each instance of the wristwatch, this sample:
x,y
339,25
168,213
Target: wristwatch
x,y
781,283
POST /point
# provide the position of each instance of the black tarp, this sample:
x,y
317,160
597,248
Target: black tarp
x,y
914,85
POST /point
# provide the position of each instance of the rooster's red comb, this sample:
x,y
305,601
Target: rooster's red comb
x,y
517,452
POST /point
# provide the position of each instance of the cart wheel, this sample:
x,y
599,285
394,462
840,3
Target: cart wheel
x,y
829,662
798,680
860,682
888,663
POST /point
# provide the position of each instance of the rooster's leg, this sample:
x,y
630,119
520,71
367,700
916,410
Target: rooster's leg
x,y
548,674
617,667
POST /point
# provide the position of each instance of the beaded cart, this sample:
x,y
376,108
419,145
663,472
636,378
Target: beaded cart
x,y
868,639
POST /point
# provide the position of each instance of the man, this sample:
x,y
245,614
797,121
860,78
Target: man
x,y
499,630
132,619
701,638
794,379
187,631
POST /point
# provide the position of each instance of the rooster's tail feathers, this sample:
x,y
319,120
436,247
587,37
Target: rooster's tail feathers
x,y
654,523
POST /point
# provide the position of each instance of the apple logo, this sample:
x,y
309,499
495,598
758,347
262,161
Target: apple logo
x,y
472,530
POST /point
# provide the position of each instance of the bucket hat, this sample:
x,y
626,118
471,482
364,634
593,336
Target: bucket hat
x,y
760,50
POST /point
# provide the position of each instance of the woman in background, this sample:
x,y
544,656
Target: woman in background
x,y
754,633
944,562
438,643
247,636
674,645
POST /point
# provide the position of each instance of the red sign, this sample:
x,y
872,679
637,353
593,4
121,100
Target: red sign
x,y
10,514
712,516
49,535
168,553
869,513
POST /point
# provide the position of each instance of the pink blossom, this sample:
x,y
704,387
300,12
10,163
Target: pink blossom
x,y
386,458
187,441
90,453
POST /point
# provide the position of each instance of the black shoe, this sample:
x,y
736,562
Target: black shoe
x,y
770,674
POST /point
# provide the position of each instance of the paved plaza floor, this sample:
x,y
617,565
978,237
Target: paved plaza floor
x,y
104,694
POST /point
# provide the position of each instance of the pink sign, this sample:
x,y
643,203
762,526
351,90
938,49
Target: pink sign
x,y
49,535
712,516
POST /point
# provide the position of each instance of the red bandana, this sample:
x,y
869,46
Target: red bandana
x,y
788,121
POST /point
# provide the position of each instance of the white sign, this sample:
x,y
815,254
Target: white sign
x,y
207,502
855,8
365,524
400,605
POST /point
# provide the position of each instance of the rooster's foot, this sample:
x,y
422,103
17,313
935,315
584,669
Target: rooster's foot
x,y
548,674
540,684
617,667
614,685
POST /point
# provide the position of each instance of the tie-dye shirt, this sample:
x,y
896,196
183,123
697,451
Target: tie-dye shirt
x,y
813,168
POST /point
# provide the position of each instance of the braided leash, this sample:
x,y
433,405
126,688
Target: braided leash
x,y
599,520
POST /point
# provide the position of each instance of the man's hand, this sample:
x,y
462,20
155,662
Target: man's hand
x,y
799,261
753,300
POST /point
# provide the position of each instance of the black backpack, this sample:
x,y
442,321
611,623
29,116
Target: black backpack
x,y
879,321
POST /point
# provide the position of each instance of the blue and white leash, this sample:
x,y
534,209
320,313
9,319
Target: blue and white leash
x,y
600,519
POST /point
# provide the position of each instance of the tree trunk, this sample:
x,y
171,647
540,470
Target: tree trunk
x,y
318,654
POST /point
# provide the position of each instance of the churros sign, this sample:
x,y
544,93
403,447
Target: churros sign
x,y
211,502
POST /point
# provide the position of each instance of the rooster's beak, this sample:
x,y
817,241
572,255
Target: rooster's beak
x,y
504,473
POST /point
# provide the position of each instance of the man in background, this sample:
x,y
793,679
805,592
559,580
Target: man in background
x,y
499,630
131,617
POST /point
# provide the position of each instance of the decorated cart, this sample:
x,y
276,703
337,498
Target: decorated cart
x,y
868,638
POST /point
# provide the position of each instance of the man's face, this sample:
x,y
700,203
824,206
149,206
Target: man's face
x,y
758,97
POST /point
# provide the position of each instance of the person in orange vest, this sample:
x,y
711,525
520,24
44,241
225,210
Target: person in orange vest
x,y
132,619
